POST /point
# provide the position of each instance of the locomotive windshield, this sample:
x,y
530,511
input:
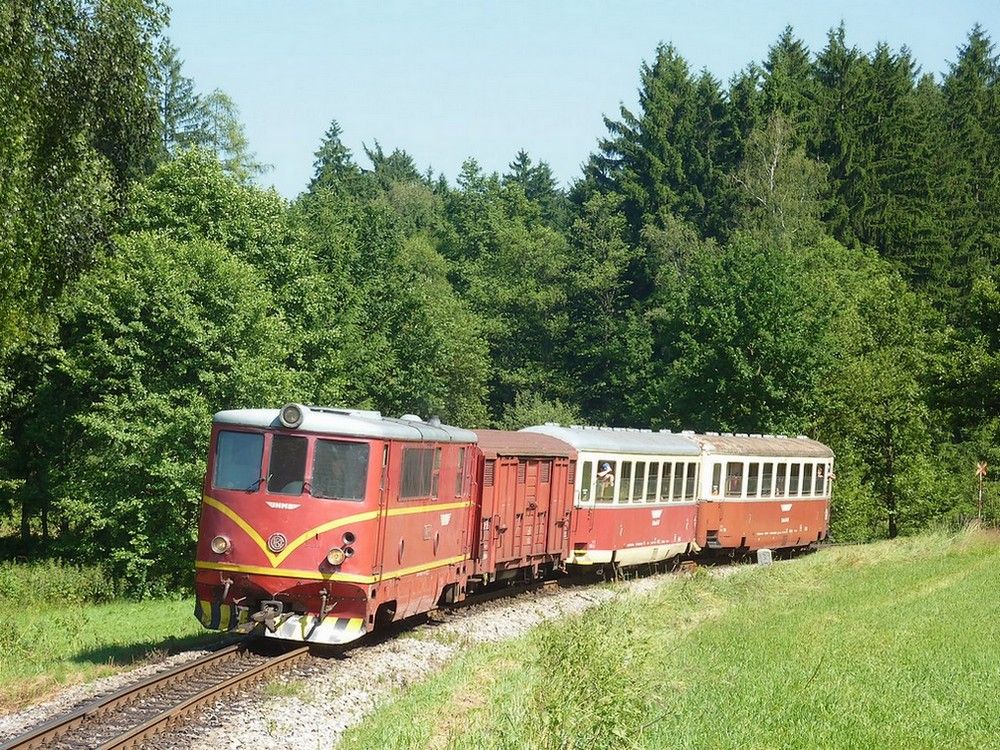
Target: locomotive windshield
x,y
340,470
237,460
287,471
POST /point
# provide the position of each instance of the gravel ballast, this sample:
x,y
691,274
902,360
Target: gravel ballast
x,y
312,706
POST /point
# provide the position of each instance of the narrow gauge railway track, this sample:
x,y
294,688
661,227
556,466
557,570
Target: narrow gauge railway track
x,y
137,712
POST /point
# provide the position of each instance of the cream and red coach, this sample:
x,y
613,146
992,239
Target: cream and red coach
x,y
316,522
763,491
643,508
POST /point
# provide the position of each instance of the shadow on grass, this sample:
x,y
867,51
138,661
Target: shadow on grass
x,y
130,653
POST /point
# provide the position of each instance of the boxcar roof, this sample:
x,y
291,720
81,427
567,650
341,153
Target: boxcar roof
x,y
495,443
762,445
351,423
620,440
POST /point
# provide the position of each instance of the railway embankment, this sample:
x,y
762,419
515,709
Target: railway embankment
x,y
881,646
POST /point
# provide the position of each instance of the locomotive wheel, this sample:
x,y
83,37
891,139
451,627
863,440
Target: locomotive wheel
x,y
385,614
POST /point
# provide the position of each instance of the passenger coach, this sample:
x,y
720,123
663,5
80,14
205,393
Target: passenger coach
x,y
763,491
635,494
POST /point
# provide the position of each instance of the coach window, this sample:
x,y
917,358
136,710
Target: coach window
x,y
651,481
820,479
689,484
586,481
606,480
829,478
766,478
753,474
625,482
639,485
807,479
678,490
287,470
734,479
668,474
793,480
340,470
716,479
780,473
237,460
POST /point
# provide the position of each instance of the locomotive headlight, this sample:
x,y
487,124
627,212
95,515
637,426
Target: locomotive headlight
x,y
220,545
336,556
291,415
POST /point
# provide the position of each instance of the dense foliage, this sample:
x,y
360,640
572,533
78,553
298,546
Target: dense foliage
x,y
810,248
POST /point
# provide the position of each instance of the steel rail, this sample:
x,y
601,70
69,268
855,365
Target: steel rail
x,y
61,726
163,720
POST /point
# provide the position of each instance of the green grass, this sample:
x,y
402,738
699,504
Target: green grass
x,y
891,645
43,647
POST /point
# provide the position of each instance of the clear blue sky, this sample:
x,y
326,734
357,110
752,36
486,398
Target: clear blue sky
x,y
449,80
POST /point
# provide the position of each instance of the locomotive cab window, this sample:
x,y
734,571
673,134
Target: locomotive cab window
x,y
420,472
793,480
668,478
237,460
287,471
716,479
340,470
460,473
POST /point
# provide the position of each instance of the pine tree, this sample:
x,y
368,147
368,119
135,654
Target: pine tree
x,y
334,167
181,113
647,156
972,122
539,185
788,86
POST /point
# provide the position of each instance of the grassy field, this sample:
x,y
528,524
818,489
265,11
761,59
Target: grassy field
x,y
891,645
43,647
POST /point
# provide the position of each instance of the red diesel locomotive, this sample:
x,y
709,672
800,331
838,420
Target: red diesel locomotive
x,y
321,524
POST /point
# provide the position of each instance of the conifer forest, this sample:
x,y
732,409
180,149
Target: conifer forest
x,y
811,247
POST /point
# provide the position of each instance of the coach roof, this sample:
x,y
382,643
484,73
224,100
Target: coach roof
x,y
762,445
351,423
620,440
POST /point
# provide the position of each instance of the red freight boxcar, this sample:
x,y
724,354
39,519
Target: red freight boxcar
x,y
526,482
